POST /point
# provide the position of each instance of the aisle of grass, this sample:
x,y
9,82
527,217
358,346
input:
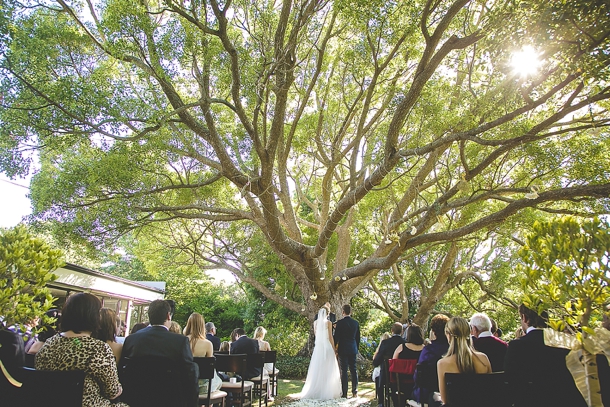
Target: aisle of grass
x,y
288,388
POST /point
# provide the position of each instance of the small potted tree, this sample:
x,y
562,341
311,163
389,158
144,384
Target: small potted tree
x,y
566,264
26,265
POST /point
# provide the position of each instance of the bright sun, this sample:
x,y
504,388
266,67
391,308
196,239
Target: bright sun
x,y
525,62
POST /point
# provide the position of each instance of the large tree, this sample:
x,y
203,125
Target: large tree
x,y
332,137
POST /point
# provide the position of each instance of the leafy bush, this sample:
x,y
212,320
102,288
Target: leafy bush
x,y
292,367
26,266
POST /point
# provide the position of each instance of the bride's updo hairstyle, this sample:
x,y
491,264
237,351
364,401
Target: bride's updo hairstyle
x,y
458,331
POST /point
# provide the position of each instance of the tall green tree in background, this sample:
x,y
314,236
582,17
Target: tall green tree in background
x,y
332,137
566,266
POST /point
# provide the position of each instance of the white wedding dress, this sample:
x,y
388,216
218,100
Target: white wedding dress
x,y
323,377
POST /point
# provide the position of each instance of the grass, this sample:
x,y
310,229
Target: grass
x,y
288,388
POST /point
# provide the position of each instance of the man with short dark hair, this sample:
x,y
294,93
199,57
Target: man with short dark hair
x,y
156,342
210,334
484,341
246,345
536,372
386,351
347,338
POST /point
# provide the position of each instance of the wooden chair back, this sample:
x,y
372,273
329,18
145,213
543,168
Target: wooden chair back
x,y
237,364
271,357
52,388
206,372
477,390
261,382
143,378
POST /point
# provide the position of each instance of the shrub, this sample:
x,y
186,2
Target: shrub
x,y
26,266
292,367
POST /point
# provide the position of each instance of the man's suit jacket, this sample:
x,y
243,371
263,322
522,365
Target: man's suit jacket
x,y
247,345
494,348
347,336
215,341
387,348
538,374
158,342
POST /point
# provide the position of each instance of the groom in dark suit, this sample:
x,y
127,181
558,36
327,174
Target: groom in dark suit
x,y
347,338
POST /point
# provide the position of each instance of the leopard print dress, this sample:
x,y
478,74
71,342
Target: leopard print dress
x,y
92,356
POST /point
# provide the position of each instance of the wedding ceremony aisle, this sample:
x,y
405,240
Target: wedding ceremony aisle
x,y
289,388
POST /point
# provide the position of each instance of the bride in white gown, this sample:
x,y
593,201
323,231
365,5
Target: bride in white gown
x,y
323,378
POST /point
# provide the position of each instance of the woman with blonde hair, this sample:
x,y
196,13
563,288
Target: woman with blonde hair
x,y
461,357
259,335
175,328
263,346
201,347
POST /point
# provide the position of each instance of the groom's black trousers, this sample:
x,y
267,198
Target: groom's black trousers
x,y
346,361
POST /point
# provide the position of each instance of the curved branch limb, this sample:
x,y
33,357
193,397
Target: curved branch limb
x,y
386,306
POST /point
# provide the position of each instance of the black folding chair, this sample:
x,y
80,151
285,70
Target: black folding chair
x,y
206,372
426,379
271,357
142,378
385,382
240,392
261,382
477,390
52,388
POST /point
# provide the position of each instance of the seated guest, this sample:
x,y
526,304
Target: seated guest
x,y
244,345
234,335
263,346
121,330
412,348
426,377
155,341
377,369
386,351
175,328
484,341
108,330
460,357
537,373
201,347
75,349
137,327
48,330
225,346
210,335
